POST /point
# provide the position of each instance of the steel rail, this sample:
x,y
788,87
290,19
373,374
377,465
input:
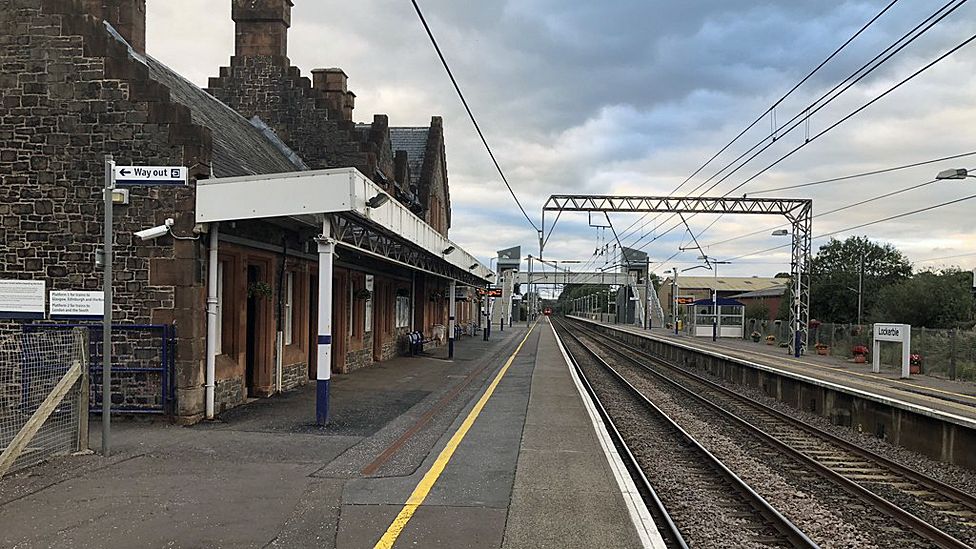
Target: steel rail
x,y
777,520
906,518
660,513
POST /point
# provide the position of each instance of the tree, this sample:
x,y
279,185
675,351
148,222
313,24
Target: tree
x,y
834,276
933,299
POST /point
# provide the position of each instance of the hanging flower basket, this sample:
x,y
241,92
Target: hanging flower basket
x,y
363,294
259,289
402,292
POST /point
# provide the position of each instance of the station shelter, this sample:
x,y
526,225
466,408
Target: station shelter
x,y
377,271
702,316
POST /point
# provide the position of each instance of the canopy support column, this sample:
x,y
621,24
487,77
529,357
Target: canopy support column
x,y
451,313
324,367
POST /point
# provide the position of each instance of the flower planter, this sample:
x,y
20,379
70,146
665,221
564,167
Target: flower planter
x,y
823,350
860,359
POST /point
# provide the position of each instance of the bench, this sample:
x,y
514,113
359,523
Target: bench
x,y
416,342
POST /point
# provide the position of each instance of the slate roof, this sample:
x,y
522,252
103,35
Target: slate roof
x,y
413,140
775,291
239,147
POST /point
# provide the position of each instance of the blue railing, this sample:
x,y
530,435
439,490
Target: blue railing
x,y
143,366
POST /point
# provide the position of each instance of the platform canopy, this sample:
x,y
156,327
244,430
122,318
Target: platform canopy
x,y
386,229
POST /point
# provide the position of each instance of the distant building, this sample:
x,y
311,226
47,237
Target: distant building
x,y
693,288
769,297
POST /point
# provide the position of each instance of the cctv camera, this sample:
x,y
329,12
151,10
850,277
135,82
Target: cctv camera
x,y
156,232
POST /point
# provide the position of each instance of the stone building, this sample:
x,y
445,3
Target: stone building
x,y
77,84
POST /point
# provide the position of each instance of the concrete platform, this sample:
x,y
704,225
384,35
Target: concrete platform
x,y
529,472
944,395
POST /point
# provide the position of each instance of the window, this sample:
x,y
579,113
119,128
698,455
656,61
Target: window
x,y
289,313
218,344
402,311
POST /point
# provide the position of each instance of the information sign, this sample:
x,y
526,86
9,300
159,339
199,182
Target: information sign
x,y
490,292
76,304
901,333
22,299
150,175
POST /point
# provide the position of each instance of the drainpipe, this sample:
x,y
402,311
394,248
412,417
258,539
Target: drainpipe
x,y
212,313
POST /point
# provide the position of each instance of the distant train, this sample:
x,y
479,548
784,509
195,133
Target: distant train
x,y
547,311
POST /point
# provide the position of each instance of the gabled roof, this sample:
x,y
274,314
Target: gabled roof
x,y
239,148
413,140
775,291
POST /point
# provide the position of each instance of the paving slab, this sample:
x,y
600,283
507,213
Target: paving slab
x,y
529,472
564,493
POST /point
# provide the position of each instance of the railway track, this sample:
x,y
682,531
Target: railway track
x,y
941,514
670,457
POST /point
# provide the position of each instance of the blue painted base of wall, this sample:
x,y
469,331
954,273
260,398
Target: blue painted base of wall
x,y
322,401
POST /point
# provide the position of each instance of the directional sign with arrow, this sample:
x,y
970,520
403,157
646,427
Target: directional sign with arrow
x,y
150,175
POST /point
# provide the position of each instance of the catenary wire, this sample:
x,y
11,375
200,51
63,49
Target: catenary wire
x,y
774,105
862,174
833,126
474,121
856,76
862,225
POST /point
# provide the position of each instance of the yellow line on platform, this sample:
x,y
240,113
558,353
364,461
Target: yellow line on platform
x,y
420,493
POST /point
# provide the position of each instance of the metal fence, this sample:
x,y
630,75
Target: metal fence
x,y
943,353
43,396
143,365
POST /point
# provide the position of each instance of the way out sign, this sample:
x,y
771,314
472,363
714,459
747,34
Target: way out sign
x,y
150,175
901,333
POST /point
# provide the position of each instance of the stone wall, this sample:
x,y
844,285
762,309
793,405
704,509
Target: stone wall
x,y
293,376
71,94
228,393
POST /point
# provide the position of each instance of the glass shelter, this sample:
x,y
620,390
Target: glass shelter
x,y
731,315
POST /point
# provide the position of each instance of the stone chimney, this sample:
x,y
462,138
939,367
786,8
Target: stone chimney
x,y
128,17
261,27
331,84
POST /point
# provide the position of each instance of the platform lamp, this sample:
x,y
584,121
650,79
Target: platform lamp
x,y
954,173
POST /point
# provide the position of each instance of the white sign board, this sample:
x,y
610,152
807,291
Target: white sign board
x,y
900,333
22,299
891,332
77,304
150,175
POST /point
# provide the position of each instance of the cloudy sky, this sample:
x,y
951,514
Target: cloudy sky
x,y
632,96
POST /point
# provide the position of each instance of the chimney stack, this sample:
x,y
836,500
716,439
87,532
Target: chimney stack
x,y
261,27
128,17
332,85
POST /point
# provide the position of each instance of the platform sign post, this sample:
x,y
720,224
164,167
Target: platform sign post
x,y
107,308
900,333
122,176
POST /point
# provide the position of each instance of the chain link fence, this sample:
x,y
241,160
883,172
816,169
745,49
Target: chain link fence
x,y
43,396
943,353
